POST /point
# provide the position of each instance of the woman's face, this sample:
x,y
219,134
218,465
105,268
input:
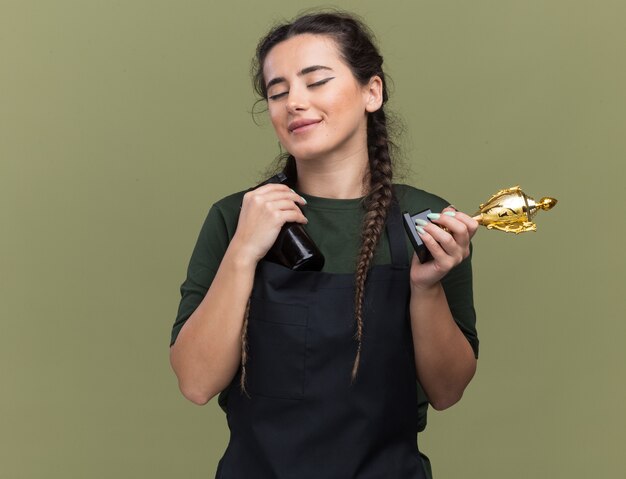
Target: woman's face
x,y
315,103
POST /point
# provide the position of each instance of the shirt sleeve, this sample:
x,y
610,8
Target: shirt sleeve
x,y
207,255
458,287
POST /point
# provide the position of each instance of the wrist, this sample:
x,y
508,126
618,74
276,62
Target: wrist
x,y
425,291
239,256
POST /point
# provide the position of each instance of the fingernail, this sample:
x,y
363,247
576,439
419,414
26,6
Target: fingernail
x,y
452,206
421,222
299,195
433,216
420,230
449,213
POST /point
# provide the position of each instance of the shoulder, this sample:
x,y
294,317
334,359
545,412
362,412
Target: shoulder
x,y
230,204
413,199
224,215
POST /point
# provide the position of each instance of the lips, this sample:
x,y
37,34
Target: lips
x,y
299,125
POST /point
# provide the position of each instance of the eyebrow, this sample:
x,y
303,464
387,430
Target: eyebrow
x,y
304,71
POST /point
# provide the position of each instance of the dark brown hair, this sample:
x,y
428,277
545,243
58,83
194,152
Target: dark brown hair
x,y
356,46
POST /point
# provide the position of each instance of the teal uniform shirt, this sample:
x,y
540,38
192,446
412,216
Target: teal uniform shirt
x,y
335,227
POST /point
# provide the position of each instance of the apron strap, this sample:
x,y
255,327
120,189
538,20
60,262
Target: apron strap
x,y
396,235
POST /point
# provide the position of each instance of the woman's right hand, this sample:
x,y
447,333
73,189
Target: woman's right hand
x,y
264,211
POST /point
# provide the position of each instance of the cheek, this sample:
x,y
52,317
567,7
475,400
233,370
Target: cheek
x,y
346,104
276,119
273,115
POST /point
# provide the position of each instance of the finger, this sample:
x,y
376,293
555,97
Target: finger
x,y
455,227
445,241
256,194
459,214
271,187
294,199
282,205
263,194
436,250
290,216
278,212
470,223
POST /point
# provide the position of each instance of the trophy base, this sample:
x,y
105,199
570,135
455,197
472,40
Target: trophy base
x,y
418,245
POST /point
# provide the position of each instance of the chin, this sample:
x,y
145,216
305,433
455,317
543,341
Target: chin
x,y
307,156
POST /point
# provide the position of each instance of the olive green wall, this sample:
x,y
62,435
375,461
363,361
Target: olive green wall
x,y
121,123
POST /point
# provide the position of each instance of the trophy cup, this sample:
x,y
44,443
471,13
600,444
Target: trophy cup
x,y
511,210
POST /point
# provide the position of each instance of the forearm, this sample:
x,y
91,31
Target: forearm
x,y
444,358
207,351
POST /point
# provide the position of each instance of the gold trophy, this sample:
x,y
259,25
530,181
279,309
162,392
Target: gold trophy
x,y
511,210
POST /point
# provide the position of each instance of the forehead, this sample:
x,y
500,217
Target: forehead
x,y
301,51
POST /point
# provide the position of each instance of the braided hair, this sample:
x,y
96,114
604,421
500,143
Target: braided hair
x,y
356,46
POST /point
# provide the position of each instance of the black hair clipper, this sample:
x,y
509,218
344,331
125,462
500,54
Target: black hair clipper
x,y
293,247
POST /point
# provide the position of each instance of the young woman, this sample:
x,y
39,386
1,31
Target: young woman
x,y
327,374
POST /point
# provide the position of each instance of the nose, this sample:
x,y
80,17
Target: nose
x,y
297,100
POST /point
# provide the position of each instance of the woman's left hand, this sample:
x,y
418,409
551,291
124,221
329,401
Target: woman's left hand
x,y
448,248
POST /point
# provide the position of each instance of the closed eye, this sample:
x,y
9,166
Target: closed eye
x,y
318,83
321,82
277,96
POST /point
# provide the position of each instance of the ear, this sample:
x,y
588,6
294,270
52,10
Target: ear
x,y
373,92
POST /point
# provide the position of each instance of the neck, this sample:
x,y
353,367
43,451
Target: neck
x,y
338,178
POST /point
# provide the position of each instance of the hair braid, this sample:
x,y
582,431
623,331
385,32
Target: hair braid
x,y
244,349
376,205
